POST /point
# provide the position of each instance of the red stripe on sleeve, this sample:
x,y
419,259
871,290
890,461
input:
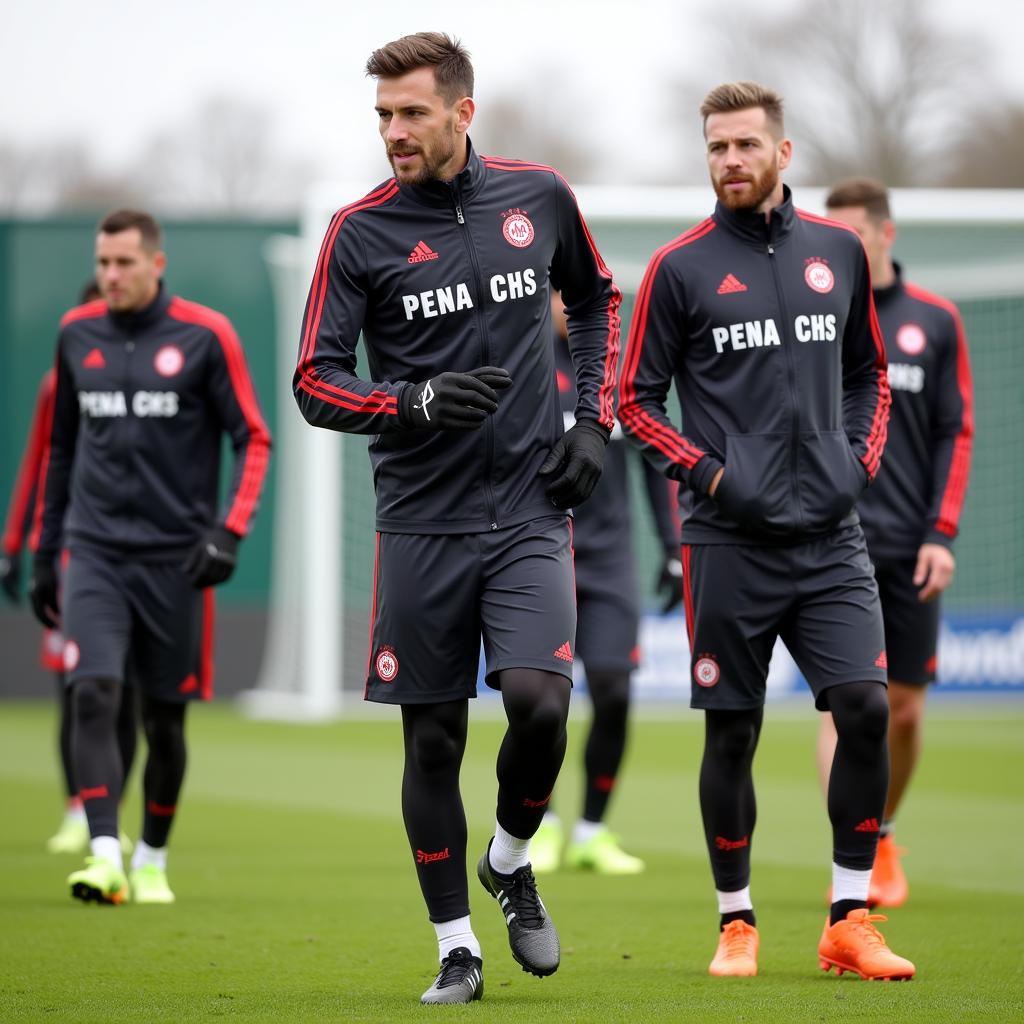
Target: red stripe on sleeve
x,y
37,516
960,464
318,289
30,467
257,453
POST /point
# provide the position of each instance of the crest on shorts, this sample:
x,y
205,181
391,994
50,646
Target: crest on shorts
x,y
169,361
818,275
911,339
706,671
517,229
386,664
72,655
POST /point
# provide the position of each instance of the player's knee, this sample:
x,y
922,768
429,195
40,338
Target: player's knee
x,y
433,748
164,726
732,735
861,709
95,700
905,718
610,695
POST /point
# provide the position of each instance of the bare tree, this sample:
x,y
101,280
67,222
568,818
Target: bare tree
x,y
976,163
222,158
872,86
525,125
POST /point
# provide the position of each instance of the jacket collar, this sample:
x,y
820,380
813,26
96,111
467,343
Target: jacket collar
x,y
752,226
462,187
890,291
139,319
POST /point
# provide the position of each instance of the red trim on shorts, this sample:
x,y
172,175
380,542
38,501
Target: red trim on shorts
x,y
373,615
206,646
688,594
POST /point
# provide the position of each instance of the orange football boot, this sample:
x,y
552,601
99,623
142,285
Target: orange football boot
x,y
737,951
889,886
856,945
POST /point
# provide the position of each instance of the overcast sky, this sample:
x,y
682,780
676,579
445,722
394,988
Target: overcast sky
x,y
116,72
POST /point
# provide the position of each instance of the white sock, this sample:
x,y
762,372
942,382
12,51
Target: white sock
x,y
731,902
75,811
507,852
144,856
107,848
848,884
452,934
583,831
552,819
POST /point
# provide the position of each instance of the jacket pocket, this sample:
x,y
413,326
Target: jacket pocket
x,y
831,478
755,488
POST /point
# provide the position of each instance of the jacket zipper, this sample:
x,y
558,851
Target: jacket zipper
x,y
130,483
485,349
794,441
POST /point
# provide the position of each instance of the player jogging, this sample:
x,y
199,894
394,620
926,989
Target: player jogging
x,y
73,834
762,316
147,384
911,515
446,270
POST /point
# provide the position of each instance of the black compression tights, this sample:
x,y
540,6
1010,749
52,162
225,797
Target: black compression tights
x,y
164,725
727,801
860,771
537,707
606,742
96,759
126,733
435,822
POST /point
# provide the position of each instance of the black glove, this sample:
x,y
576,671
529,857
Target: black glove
x,y
42,592
213,559
578,455
454,401
10,576
670,581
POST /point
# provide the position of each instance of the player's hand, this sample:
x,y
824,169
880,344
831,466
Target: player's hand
x,y
670,581
454,401
213,559
42,592
934,571
715,481
576,460
10,576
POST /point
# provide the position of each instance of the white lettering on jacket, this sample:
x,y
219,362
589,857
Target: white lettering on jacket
x,y
145,404
906,377
514,285
437,301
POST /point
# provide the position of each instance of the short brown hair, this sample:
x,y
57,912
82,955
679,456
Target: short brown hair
x,y
731,96
453,72
125,220
866,192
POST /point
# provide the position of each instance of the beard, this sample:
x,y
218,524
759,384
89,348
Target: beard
x,y
433,160
761,187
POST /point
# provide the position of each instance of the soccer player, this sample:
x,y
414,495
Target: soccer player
x,y
446,270
762,315
73,834
607,622
911,516
147,384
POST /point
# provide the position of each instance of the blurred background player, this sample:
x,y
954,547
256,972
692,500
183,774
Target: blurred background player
x,y
762,317
73,834
607,622
146,386
472,469
911,515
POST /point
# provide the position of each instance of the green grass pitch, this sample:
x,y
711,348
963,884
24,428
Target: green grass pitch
x,y
297,898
